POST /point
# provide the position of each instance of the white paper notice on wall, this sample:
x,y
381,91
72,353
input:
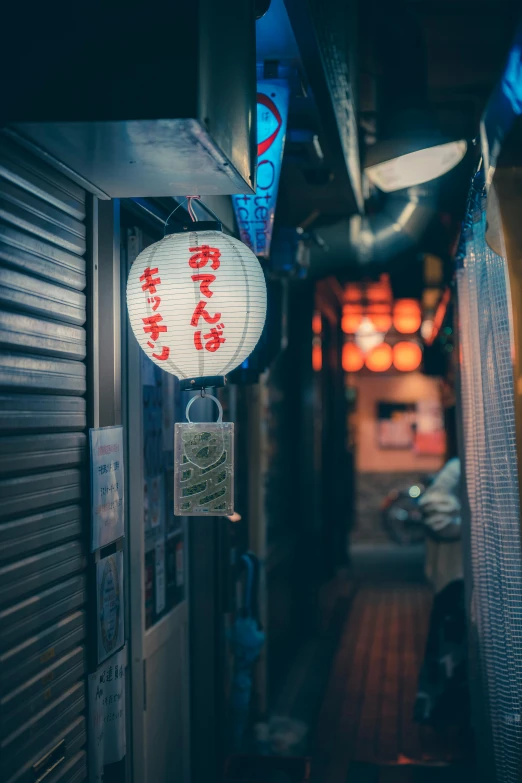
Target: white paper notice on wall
x,y
109,604
107,715
107,490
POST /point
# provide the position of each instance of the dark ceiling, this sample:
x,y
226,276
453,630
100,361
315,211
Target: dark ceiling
x,y
466,43
446,53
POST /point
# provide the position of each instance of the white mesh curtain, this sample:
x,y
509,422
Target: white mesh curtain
x,y
492,486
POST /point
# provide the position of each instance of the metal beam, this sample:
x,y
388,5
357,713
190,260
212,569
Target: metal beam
x,y
327,54
108,314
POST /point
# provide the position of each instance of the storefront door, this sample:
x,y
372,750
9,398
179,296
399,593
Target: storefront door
x,y
158,614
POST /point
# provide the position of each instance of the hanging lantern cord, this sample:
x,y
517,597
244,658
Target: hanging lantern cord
x,y
190,210
207,209
169,217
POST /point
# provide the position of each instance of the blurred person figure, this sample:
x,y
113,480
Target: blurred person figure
x,y
442,697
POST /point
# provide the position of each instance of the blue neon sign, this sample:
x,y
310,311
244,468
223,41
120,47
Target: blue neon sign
x,y
255,213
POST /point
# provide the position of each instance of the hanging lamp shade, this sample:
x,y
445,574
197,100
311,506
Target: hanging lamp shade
x,y
197,302
395,164
353,358
380,358
407,316
407,356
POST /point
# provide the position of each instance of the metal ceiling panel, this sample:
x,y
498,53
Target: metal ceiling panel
x,y
324,30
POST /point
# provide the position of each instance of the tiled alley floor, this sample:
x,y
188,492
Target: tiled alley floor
x,y
365,732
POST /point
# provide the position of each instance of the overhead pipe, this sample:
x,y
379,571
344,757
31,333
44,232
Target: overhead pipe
x,y
376,239
398,227
405,215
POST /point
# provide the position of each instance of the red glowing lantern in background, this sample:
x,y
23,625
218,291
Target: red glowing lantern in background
x,y
380,316
407,356
407,316
317,355
380,358
317,323
353,359
352,317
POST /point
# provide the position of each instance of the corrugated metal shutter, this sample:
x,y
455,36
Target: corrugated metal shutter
x,y
43,472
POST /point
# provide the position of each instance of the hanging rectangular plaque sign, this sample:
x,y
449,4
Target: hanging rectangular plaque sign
x,y
255,213
204,467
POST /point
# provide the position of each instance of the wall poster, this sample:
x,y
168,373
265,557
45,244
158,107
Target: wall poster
x,y
396,423
107,735
107,487
418,426
255,213
110,609
430,435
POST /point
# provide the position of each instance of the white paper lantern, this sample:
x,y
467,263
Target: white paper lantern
x,y
197,303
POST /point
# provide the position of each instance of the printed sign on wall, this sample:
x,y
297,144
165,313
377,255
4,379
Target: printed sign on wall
x,y
430,437
255,213
107,523
396,425
107,744
109,595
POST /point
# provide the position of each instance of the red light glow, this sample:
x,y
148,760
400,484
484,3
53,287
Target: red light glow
x,y
352,317
407,356
317,355
407,316
380,358
353,359
317,323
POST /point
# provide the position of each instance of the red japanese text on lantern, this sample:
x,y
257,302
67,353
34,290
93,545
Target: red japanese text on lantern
x,y
213,339
204,254
152,324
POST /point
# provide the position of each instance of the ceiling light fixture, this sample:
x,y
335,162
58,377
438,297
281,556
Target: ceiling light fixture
x,y
390,168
